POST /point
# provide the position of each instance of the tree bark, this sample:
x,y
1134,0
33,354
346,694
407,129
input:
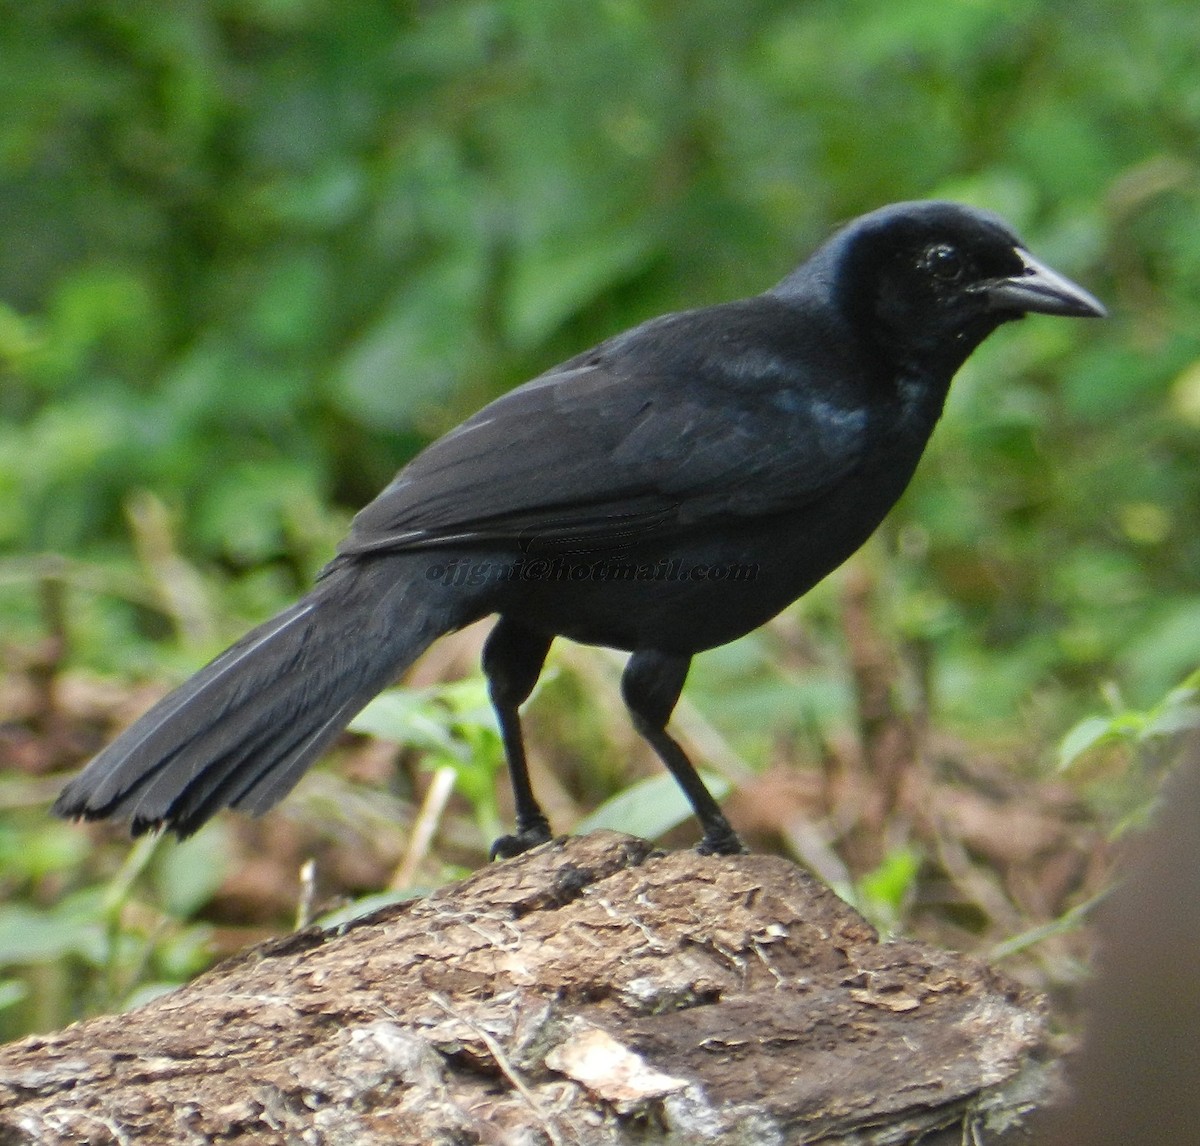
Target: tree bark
x,y
590,992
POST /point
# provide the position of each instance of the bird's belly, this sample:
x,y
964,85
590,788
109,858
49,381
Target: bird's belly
x,y
688,592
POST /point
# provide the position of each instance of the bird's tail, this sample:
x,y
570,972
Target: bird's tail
x,y
243,730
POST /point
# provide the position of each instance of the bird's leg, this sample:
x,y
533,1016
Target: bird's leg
x,y
512,659
651,686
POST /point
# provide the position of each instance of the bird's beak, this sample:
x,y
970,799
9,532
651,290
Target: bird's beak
x,y
1038,289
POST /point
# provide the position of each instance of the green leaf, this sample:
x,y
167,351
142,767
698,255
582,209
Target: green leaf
x,y
1086,735
54,847
1171,720
368,904
407,718
555,279
12,991
189,872
1066,923
892,882
419,348
650,807
185,954
31,935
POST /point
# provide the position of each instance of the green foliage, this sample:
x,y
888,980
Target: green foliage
x,y
1120,757
1066,923
1178,712
103,945
883,894
651,807
455,726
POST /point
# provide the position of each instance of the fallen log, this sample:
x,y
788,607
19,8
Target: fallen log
x,y
593,992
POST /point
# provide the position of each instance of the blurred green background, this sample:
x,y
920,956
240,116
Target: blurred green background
x,y
255,253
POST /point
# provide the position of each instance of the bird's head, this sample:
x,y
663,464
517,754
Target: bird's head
x,y
930,280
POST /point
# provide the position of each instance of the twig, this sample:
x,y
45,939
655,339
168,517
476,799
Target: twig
x,y
425,827
506,1067
308,894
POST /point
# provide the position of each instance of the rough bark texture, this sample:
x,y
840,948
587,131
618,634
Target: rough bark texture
x,y
592,992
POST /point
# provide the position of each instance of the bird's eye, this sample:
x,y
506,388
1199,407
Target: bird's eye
x,y
944,262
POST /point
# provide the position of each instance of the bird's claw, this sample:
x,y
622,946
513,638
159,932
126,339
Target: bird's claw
x,y
520,841
721,840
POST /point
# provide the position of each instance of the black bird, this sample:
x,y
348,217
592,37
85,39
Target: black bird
x,y
663,493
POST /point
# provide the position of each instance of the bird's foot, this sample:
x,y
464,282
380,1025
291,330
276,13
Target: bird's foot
x,y
721,840
526,836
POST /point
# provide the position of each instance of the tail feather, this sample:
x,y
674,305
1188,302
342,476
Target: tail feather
x,y
243,730
266,789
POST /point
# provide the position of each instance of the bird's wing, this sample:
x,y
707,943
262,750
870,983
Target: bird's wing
x,y
641,435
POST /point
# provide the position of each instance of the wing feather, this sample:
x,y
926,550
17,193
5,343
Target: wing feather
x,y
641,434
